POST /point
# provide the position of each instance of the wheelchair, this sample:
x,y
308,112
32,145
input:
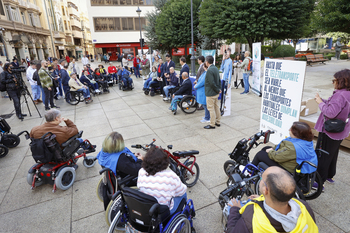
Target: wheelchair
x,y
121,85
60,170
154,89
139,212
8,139
74,97
109,79
188,104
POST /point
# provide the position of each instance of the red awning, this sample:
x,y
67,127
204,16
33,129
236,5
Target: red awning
x,y
121,45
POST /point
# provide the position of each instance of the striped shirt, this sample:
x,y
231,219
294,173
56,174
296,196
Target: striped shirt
x,y
164,185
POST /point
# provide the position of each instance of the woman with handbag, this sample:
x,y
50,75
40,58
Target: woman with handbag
x,y
332,124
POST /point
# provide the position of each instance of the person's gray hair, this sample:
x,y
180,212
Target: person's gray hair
x,y
248,53
52,114
185,74
43,61
172,68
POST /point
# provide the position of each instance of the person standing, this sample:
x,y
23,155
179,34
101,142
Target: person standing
x,y
85,60
136,63
160,76
65,79
212,87
200,95
169,63
336,107
47,84
67,59
201,70
13,88
37,79
15,63
34,85
73,67
184,68
246,72
3,93
226,68
145,66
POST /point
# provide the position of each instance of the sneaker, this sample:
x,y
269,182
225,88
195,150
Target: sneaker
x,y
170,108
166,99
55,106
244,93
315,186
330,180
97,91
161,95
59,97
204,121
47,109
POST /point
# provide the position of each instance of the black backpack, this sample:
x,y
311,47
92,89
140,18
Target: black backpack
x,y
2,86
45,149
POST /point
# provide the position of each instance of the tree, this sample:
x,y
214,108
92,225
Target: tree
x,y
152,39
332,16
173,25
253,19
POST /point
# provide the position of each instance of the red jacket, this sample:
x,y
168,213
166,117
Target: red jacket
x,y
67,59
112,69
135,63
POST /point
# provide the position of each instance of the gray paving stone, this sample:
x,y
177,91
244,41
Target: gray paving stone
x,y
93,223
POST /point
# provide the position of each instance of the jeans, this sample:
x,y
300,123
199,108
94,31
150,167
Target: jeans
x,y
114,76
49,97
94,85
35,92
42,94
15,95
206,112
176,99
86,92
60,87
137,71
127,81
66,90
147,83
177,201
246,82
166,90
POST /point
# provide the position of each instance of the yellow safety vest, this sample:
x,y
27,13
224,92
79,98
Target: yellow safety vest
x,y
261,223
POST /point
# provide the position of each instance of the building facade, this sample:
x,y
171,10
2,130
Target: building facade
x,y
24,31
115,25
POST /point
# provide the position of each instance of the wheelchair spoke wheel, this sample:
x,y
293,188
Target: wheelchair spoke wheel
x,y
230,167
65,178
187,178
74,98
115,225
317,192
188,104
99,189
10,140
179,224
3,151
113,208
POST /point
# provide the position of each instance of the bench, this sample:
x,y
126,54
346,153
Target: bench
x,y
320,58
315,59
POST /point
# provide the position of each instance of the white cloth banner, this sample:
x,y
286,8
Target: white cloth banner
x,y
282,94
209,52
256,68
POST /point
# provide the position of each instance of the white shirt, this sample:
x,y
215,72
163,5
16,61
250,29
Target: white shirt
x,y
85,61
29,74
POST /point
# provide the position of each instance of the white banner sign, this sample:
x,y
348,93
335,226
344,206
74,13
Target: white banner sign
x,y
209,52
282,93
256,68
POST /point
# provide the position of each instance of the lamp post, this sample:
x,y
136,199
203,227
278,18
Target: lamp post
x,y
193,58
138,11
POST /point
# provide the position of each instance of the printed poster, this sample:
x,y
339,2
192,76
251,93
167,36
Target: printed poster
x,y
256,68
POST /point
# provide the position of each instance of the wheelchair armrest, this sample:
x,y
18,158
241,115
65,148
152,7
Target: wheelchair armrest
x,y
70,140
154,209
116,195
104,170
298,168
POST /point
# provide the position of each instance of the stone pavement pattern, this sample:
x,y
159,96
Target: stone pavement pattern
x,y
139,119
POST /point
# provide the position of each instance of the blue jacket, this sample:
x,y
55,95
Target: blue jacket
x,y
226,68
125,73
167,68
64,77
83,79
162,70
305,152
185,68
111,160
174,81
200,96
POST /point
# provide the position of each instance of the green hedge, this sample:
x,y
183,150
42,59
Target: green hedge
x,y
330,55
284,51
343,56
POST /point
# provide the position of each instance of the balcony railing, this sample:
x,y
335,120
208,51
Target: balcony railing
x,y
22,27
59,35
77,34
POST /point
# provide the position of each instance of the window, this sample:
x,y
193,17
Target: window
x,y
102,24
63,11
8,12
65,25
23,17
69,28
12,13
2,12
120,2
38,23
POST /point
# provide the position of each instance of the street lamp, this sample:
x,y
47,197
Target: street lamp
x,y
138,11
193,58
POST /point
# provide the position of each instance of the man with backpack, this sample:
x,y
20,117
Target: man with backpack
x,y
246,66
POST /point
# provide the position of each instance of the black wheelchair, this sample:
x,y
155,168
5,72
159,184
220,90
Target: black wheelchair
x,y
139,212
8,139
188,104
75,97
56,164
122,86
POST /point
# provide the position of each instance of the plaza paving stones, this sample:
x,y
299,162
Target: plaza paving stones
x,y
140,118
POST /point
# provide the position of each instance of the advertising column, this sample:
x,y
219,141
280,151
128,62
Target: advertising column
x,y
282,94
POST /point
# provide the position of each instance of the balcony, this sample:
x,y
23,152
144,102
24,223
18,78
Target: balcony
x,y
22,3
33,7
25,28
72,11
59,35
77,34
74,22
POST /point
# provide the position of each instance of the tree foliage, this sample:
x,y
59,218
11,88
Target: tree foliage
x,y
173,25
332,16
254,19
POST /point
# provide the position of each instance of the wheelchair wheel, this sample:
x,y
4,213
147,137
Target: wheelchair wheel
x,y
65,178
120,85
315,193
188,104
74,97
112,211
3,151
99,189
179,224
30,177
10,140
115,225
186,177
146,92
89,161
230,167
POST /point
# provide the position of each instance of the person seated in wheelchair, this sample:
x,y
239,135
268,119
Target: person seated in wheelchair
x,y
152,79
115,156
172,81
275,210
100,79
88,80
102,70
291,151
63,133
185,89
75,85
156,179
125,77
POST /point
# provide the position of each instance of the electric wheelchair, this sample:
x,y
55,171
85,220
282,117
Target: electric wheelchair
x,y
56,164
140,212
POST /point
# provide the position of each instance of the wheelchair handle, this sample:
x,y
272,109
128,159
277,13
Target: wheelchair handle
x,y
116,194
104,170
154,209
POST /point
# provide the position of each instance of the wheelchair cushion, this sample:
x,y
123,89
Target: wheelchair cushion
x,y
185,153
263,165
